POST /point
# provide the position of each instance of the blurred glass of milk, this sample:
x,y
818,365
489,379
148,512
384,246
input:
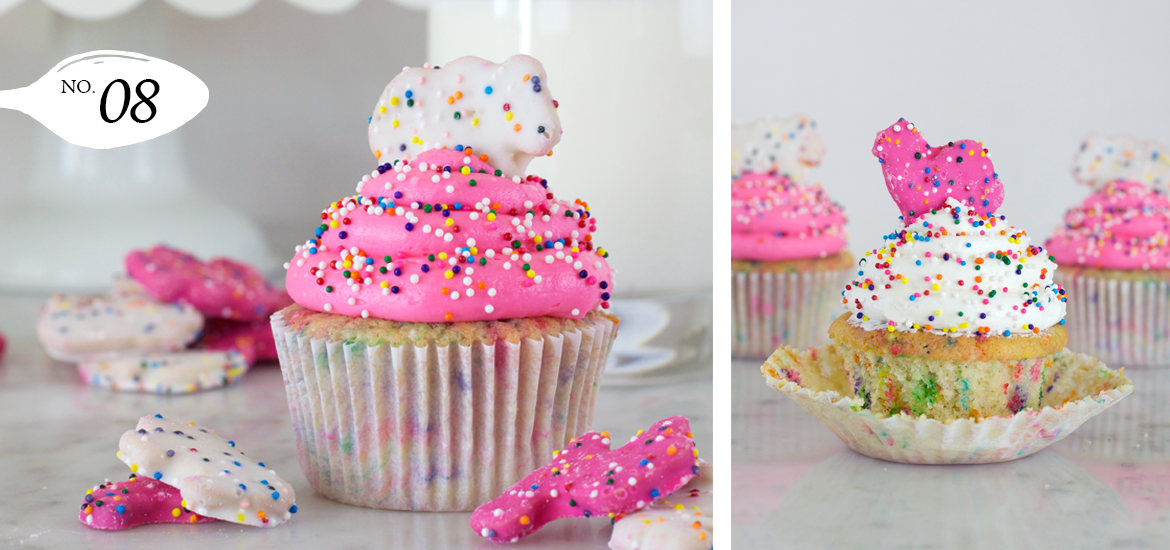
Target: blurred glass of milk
x,y
633,80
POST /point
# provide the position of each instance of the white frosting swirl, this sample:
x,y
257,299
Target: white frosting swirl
x,y
946,273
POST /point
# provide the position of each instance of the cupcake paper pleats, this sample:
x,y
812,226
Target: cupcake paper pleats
x,y
436,428
774,309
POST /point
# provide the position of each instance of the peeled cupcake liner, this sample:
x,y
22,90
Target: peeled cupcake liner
x,y
922,440
435,428
1137,431
1122,322
769,310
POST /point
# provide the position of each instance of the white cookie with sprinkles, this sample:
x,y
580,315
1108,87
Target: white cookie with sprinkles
x,y
214,477
504,109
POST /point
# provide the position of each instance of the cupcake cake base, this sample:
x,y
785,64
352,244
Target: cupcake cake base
x,y
434,416
947,377
817,379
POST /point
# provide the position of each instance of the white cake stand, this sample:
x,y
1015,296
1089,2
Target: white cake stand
x,y
83,209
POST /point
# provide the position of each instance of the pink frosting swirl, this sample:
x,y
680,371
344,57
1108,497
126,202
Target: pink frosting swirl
x,y
445,237
774,219
1124,225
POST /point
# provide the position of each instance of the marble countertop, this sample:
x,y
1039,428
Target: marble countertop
x,y
58,438
795,485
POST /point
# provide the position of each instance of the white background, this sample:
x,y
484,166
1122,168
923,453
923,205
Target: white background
x,y
1028,79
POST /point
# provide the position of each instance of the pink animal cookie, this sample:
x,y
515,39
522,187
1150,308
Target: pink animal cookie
x,y
253,340
138,501
220,288
921,178
587,479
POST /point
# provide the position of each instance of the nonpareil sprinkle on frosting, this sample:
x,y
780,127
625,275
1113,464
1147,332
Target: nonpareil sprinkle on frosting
x,y
776,219
444,233
957,268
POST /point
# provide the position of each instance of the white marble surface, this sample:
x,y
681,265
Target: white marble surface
x,y
795,485
58,438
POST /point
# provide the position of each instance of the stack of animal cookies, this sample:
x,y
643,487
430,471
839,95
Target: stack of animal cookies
x,y
176,324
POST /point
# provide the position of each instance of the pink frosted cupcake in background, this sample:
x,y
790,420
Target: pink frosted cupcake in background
x,y
449,328
1114,253
788,257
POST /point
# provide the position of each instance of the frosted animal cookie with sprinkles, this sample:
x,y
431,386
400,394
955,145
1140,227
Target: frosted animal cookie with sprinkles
x,y
74,327
587,479
215,478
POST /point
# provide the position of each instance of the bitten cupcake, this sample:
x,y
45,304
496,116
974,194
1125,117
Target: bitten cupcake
x,y
788,239
449,328
952,350
1114,251
957,315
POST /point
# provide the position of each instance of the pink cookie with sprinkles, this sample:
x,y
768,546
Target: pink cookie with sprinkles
x,y
922,178
219,288
214,478
115,506
587,479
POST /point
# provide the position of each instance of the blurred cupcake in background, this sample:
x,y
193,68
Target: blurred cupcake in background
x,y
1114,252
788,257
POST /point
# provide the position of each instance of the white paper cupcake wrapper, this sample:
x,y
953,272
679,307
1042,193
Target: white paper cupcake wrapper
x,y
927,441
1120,322
435,428
769,310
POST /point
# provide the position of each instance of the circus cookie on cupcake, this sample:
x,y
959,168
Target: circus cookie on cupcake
x,y
1114,252
787,238
458,303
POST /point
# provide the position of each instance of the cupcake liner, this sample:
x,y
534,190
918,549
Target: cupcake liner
x,y
769,310
1084,387
1136,431
430,428
1122,322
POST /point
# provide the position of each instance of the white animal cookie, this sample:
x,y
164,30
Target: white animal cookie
x,y
166,373
1105,159
504,111
74,327
790,146
213,476
681,521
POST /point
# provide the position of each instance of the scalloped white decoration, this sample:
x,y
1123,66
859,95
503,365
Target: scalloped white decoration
x,y
108,9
